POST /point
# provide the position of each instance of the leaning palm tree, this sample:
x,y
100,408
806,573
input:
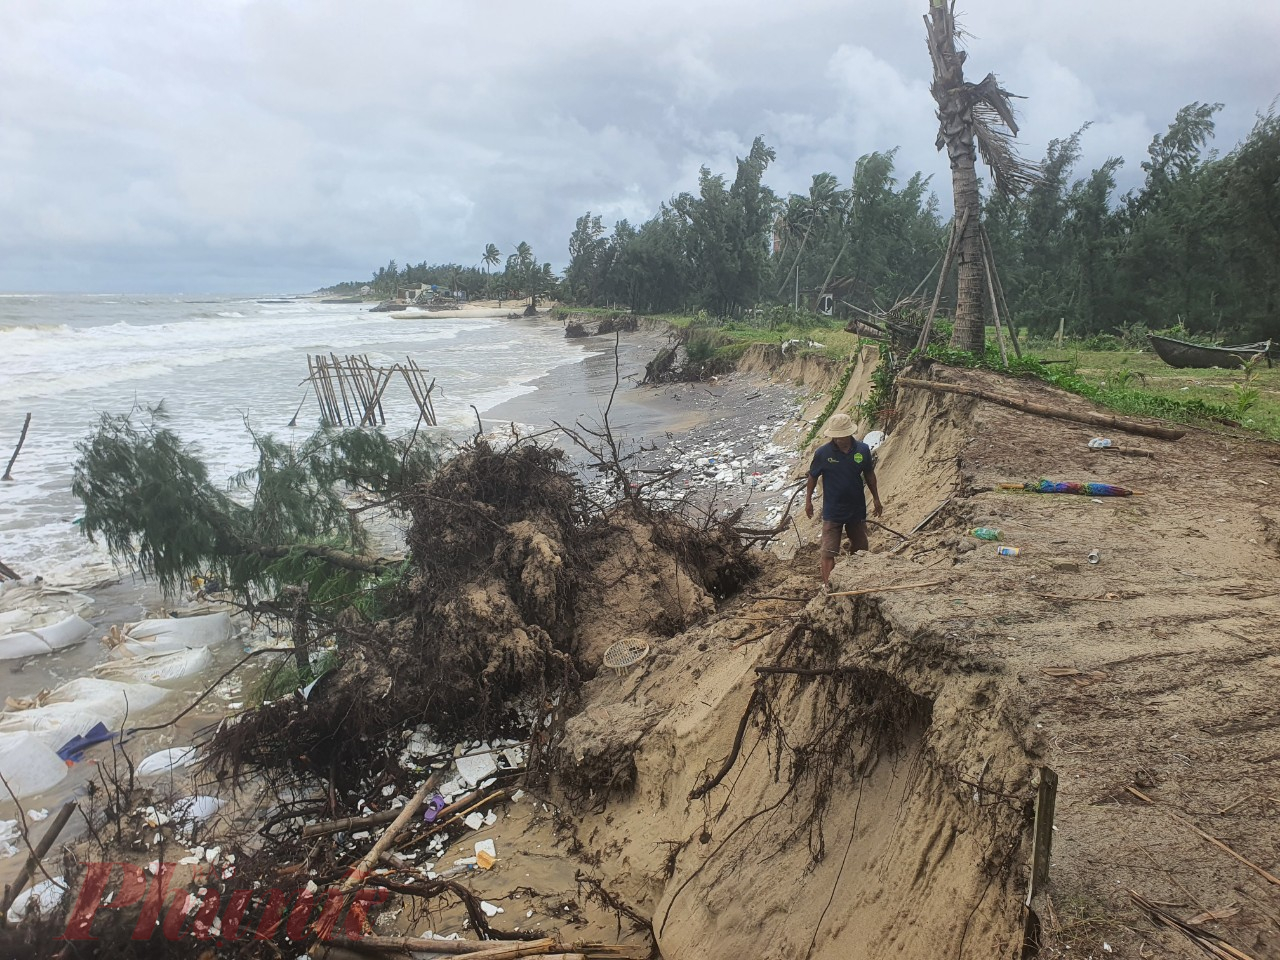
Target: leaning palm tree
x,y
492,256
969,115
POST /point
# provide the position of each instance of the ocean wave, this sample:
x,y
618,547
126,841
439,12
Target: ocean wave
x,y
34,328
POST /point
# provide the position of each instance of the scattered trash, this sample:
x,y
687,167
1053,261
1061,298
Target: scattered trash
x,y
1099,443
1008,551
476,768
987,533
490,910
486,854
474,821
42,898
433,808
1094,557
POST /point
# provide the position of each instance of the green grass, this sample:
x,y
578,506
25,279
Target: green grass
x,y
1138,383
736,335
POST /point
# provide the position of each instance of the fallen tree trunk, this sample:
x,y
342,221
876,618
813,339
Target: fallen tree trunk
x,y
1039,409
339,558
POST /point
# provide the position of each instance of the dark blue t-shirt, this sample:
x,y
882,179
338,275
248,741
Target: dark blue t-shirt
x,y
841,473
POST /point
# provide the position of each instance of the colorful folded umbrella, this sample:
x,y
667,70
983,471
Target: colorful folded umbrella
x,y
1088,489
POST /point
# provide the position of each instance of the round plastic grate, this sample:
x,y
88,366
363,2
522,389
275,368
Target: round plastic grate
x,y
625,654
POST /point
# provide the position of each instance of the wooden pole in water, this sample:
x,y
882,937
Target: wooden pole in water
x,y
375,378
315,387
375,409
335,415
339,373
8,471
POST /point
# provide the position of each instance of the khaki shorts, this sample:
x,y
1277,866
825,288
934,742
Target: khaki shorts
x,y
855,530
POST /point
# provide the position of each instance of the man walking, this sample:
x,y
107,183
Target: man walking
x,y
844,464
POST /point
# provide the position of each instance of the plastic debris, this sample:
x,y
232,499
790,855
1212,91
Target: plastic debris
x,y
171,759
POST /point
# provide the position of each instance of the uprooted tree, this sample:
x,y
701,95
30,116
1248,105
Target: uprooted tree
x,y
471,633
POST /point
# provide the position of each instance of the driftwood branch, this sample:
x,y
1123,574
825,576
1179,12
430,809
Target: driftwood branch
x,y
8,471
1039,409
361,870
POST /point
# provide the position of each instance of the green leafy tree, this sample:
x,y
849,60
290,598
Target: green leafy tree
x,y
149,497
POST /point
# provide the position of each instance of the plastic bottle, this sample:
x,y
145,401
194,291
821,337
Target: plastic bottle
x,y
1008,551
987,533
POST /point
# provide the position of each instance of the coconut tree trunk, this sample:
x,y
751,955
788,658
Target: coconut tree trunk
x,y
956,133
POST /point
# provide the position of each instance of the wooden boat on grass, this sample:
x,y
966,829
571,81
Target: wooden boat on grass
x,y
1180,353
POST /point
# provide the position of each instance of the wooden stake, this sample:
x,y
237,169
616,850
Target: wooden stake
x,y
8,471
891,589
339,373
1004,303
1046,801
1026,406
952,247
995,307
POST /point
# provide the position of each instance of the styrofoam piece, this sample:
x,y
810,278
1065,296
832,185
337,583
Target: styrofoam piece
x,y
29,765
474,821
163,760
43,634
41,899
473,769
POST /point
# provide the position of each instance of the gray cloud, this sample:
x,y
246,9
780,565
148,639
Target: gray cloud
x,y
269,144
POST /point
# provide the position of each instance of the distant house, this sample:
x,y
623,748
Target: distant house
x,y
410,294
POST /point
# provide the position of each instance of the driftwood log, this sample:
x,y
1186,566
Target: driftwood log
x,y
1040,410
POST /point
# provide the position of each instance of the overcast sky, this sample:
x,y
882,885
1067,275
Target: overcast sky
x,y
281,145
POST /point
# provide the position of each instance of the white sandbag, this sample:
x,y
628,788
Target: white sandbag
x,y
43,634
164,668
41,899
77,707
199,631
30,766
164,760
